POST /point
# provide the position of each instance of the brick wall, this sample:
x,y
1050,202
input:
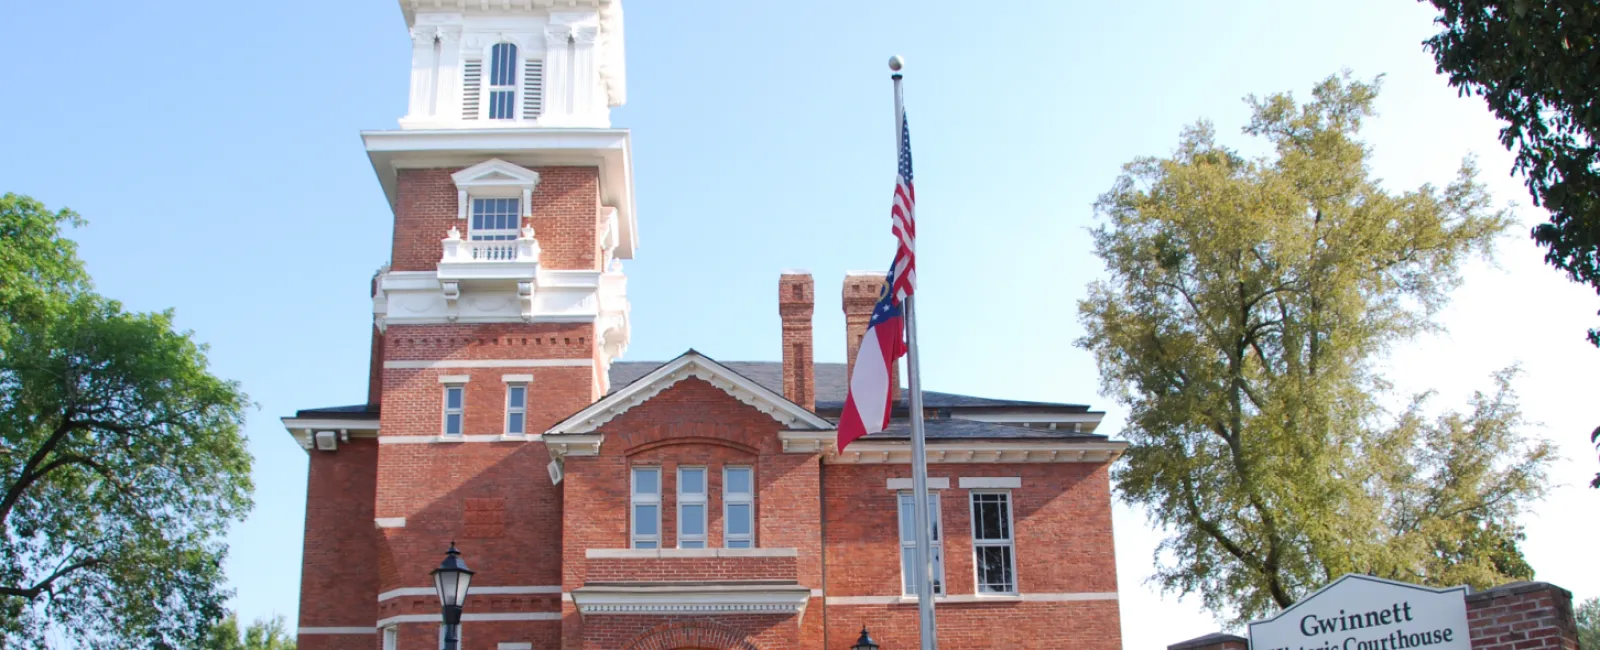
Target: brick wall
x,y
796,302
566,213
1522,616
338,579
677,569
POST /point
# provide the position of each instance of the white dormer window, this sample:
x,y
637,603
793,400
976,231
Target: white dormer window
x,y
503,81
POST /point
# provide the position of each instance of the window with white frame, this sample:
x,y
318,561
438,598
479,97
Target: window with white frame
x,y
516,409
495,219
503,81
391,638
909,571
455,398
994,555
691,507
646,507
738,507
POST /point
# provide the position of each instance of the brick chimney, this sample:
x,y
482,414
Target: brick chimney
x,y
860,295
796,302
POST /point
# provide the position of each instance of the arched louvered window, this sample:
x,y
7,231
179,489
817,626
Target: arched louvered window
x,y
503,82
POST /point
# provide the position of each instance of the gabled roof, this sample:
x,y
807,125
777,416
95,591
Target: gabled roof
x,y
832,383
691,364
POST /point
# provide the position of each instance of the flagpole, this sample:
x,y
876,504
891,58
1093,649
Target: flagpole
x,y
919,456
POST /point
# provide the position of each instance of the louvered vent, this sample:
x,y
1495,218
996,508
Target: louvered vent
x,y
471,88
532,89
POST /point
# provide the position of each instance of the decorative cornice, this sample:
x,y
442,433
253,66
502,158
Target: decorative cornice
x,y
808,442
692,599
573,445
865,453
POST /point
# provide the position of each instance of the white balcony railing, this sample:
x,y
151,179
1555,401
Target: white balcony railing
x,y
522,250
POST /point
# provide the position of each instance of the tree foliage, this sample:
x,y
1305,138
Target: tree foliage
x,y
121,457
1537,64
1246,305
270,634
1588,617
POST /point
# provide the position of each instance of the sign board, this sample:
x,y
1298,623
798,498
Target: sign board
x,y
1359,612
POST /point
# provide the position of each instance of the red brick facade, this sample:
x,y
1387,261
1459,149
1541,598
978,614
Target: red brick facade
x,y
382,509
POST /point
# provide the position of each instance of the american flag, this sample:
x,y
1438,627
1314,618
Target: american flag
x,y
866,405
903,274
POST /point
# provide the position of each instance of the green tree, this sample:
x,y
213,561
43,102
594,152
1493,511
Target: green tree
x,y
1588,616
1537,65
271,634
121,457
1246,305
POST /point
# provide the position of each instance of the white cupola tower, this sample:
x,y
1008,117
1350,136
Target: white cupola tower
x,y
514,63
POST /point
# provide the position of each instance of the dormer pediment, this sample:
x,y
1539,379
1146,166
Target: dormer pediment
x,y
495,173
691,364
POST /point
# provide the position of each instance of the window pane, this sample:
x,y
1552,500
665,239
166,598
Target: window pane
x,y
908,527
646,481
692,544
693,481
738,519
452,398
452,423
518,396
908,569
739,543
994,569
514,423
644,545
694,521
738,480
503,65
644,520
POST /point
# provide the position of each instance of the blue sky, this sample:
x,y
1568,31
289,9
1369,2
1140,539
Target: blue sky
x,y
213,148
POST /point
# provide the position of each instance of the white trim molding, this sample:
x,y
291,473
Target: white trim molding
x,y
991,482
690,364
390,522
681,553
934,483
304,431
476,591
337,630
472,618
691,599
456,438
975,598
515,645
431,364
454,379
516,379
587,444
968,451
808,442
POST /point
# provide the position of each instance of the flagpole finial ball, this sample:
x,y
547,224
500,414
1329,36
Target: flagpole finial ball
x,y
895,63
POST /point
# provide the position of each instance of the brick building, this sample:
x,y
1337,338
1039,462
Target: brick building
x,y
627,504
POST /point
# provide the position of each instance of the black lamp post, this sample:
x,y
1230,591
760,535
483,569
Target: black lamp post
x,y
865,642
452,579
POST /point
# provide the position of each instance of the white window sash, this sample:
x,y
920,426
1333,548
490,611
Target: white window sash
x,y
908,547
1008,542
636,500
729,499
460,412
391,638
505,234
517,410
689,499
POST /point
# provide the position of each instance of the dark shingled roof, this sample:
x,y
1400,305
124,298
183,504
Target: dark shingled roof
x,y
351,412
831,385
